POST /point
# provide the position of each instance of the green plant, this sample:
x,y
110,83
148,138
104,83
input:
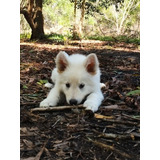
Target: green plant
x,y
117,39
25,36
133,93
41,82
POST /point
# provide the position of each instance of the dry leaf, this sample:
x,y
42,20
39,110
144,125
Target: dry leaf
x,y
28,143
29,158
23,129
112,106
102,117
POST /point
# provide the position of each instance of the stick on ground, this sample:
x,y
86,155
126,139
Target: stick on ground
x,y
56,108
38,156
108,147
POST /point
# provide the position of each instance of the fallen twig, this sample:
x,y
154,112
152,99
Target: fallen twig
x,y
108,147
29,103
111,99
109,155
120,121
48,153
120,108
117,136
133,118
38,156
56,108
37,117
112,107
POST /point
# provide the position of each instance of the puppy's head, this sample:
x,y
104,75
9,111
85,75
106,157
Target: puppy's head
x,y
77,75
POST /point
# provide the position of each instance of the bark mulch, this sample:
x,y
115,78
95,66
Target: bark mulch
x,y
112,133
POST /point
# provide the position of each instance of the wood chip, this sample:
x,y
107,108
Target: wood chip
x,y
99,116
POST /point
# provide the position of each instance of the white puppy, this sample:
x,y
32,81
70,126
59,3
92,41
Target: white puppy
x,y
77,77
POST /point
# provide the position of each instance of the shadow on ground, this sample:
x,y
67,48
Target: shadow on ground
x,y
112,133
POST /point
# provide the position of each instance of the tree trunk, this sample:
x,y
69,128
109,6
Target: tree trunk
x,y
75,30
82,18
34,17
38,31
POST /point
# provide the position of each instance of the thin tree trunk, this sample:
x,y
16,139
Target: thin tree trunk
x,y
125,14
75,31
82,18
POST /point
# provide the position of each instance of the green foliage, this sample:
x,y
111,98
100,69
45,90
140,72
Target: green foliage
x,y
25,87
33,96
24,26
134,40
25,36
133,93
56,37
122,18
58,13
106,38
116,39
41,82
128,40
62,38
93,6
106,20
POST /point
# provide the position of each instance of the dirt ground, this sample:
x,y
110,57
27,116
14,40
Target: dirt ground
x,y
112,133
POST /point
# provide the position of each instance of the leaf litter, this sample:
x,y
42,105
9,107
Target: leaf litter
x,y
111,133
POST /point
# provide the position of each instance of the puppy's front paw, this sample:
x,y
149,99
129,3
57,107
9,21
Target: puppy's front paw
x,y
89,105
46,103
102,85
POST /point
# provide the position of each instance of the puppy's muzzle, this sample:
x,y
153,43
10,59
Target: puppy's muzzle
x,y
73,101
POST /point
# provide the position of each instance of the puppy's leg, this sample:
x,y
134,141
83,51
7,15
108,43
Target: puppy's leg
x,y
53,77
49,85
102,85
52,98
93,101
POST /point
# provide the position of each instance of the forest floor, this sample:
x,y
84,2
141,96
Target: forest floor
x,y
112,133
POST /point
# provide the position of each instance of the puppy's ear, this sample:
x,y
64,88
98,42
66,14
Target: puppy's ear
x,y
62,61
91,64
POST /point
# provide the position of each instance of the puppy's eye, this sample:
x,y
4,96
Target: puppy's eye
x,y
81,86
67,85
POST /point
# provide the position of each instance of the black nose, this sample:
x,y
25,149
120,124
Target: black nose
x,y
73,101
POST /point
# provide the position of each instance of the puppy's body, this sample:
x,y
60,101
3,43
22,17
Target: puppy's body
x,y
78,78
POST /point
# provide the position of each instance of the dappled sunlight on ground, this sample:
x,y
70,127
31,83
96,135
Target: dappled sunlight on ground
x,y
114,129
86,44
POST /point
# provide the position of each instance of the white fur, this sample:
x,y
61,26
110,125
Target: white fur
x,y
76,70
48,85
